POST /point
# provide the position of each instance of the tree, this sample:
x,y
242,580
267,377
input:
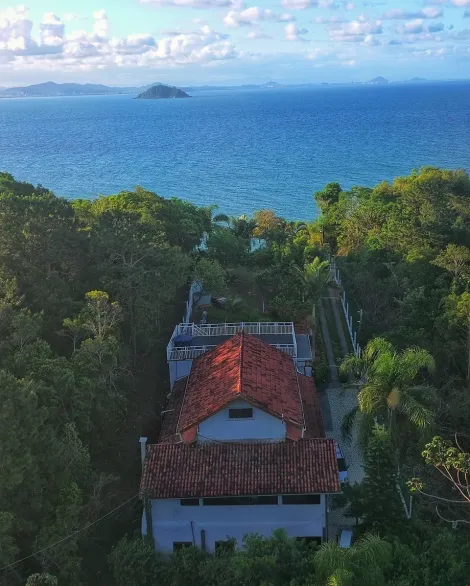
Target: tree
x,y
363,564
134,563
452,463
226,248
315,278
210,275
391,387
382,508
42,580
455,259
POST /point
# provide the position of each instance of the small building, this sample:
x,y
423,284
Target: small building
x,y
242,449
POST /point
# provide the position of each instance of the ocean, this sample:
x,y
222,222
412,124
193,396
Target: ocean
x,y
241,150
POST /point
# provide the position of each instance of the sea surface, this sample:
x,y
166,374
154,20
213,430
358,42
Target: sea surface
x,y
241,150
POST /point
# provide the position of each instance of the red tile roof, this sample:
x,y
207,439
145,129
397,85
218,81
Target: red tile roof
x,y
311,406
242,367
234,469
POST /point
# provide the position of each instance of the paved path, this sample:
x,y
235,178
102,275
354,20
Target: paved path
x,y
335,403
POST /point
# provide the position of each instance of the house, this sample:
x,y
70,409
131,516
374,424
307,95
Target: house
x,y
242,449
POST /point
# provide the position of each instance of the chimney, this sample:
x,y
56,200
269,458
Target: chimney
x,y
143,450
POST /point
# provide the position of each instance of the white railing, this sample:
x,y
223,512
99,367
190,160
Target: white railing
x,y
287,348
230,329
344,303
191,352
187,352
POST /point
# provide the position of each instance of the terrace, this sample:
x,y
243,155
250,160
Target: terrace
x,y
190,340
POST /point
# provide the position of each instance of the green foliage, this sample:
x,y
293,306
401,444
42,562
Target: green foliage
x,y
382,509
211,275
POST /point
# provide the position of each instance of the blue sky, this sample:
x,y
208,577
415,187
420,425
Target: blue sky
x,y
127,42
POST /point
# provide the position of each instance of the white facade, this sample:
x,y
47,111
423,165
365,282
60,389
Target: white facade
x,y
174,523
262,426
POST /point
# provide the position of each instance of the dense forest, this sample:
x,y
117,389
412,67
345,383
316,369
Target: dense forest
x,y
89,293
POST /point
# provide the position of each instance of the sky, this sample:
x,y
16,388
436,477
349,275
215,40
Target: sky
x,y
188,42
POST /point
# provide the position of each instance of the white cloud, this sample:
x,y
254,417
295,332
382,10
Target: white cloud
x,y
329,20
257,35
55,50
413,27
254,15
355,30
400,14
303,4
191,3
294,33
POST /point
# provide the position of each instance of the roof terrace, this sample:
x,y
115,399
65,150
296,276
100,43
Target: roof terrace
x,y
190,340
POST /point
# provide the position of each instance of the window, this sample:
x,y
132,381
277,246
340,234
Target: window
x,y
244,413
240,500
342,465
227,546
189,502
301,499
179,545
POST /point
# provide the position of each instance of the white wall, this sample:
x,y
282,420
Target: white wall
x,y
262,426
178,369
172,522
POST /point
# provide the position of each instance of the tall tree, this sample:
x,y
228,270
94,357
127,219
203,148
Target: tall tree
x,y
391,387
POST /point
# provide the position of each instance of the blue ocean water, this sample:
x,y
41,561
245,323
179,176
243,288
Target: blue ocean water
x,y
242,150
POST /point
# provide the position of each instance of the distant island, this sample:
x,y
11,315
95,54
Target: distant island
x,y
52,89
160,91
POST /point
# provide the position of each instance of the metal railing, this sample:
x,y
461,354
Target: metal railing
x,y
187,352
191,352
230,329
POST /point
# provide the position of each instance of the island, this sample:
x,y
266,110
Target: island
x,y
158,92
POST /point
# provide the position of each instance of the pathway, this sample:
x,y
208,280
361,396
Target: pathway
x,y
335,403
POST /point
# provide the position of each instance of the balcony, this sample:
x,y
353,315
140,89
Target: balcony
x,y
203,337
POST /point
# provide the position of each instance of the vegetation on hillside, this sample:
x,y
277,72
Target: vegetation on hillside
x,y
89,293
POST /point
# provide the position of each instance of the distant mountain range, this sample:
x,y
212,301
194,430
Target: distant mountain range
x,y
51,89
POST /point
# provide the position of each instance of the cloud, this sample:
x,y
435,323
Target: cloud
x,y
355,30
258,35
55,50
294,33
303,4
435,27
329,20
466,14
413,27
400,14
458,3
254,15
191,3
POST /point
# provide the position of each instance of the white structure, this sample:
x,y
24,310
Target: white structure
x,y
241,450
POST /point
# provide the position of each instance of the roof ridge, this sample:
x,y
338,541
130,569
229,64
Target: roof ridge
x,y
240,370
300,398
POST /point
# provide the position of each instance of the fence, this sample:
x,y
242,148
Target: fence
x,y
195,288
344,302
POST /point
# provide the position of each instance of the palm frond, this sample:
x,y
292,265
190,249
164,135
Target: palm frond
x,y
416,412
329,559
412,361
371,551
341,577
365,430
353,365
371,397
375,347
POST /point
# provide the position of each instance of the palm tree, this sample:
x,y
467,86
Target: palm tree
x,y
390,391
315,278
362,564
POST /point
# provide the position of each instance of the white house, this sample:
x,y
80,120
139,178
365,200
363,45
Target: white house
x,y
242,450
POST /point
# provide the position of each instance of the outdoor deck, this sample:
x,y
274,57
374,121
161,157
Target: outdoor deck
x,y
207,336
